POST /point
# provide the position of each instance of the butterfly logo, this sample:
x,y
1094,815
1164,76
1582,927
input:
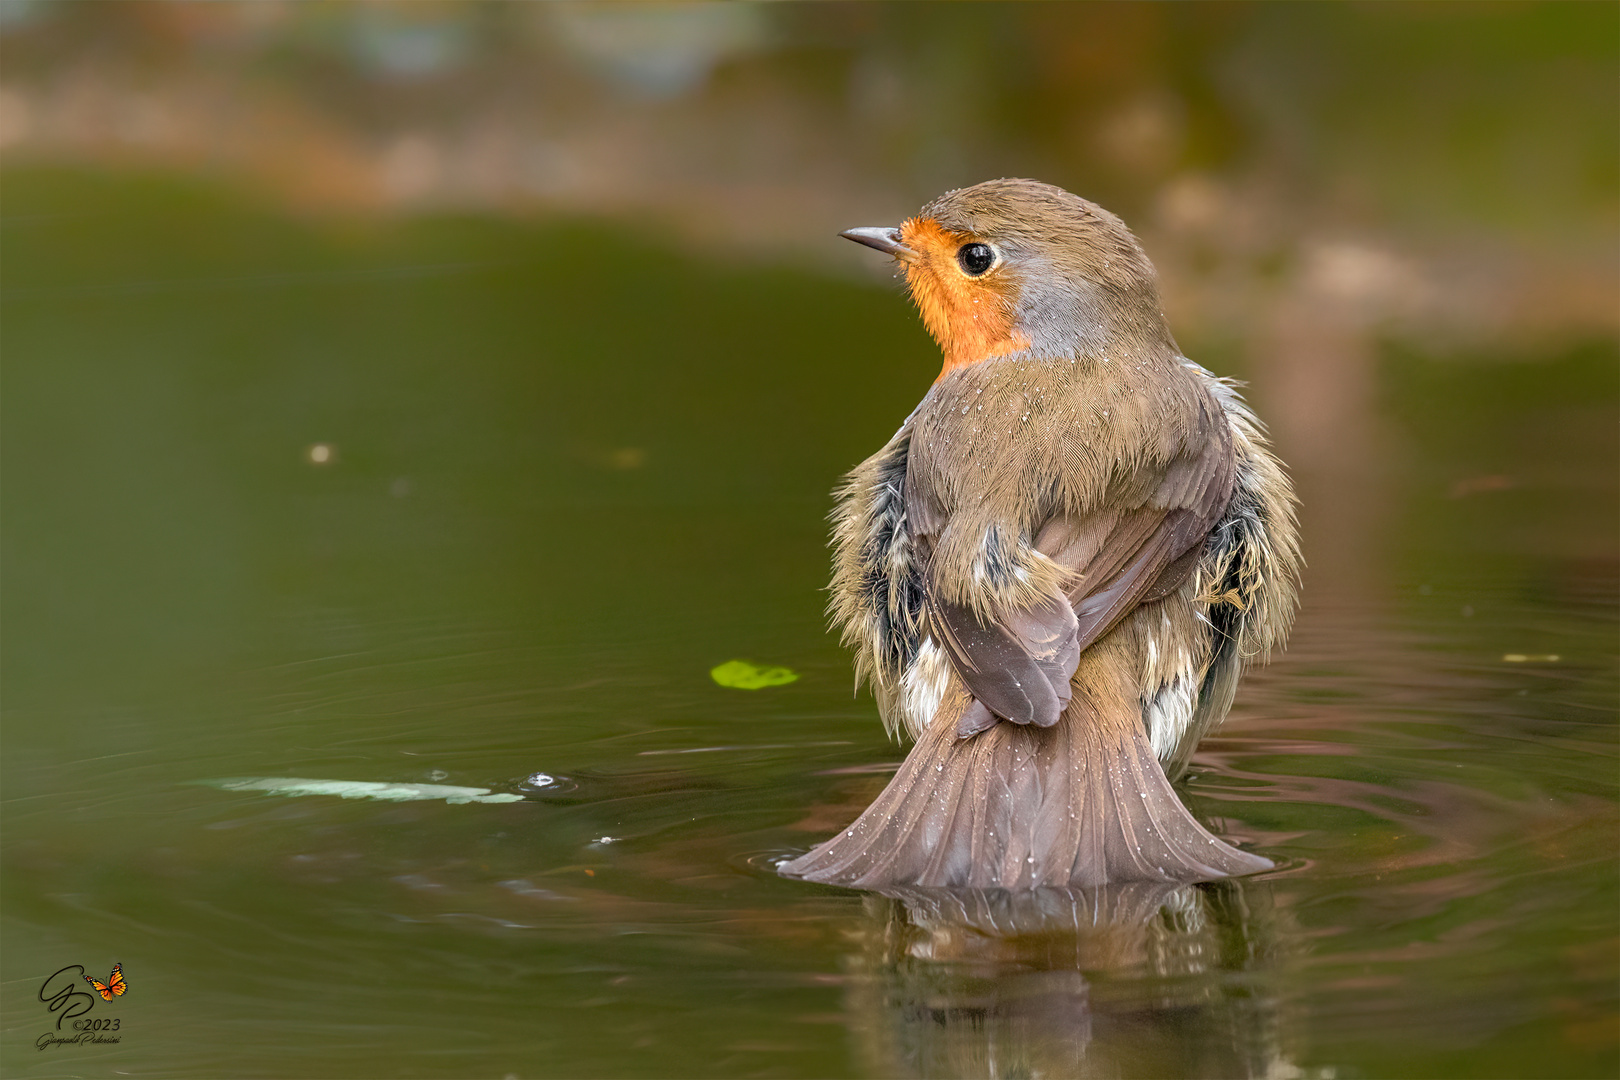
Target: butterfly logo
x,y
113,987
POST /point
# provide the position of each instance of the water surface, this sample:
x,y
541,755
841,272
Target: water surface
x,y
462,501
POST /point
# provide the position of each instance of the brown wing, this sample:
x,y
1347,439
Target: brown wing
x,y
1018,667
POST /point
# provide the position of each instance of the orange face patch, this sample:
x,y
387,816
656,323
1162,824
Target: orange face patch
x,y
971,318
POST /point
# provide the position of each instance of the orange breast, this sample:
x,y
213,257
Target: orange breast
x,y
971,318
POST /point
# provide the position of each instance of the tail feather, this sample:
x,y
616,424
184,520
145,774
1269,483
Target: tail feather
x,y
1082,803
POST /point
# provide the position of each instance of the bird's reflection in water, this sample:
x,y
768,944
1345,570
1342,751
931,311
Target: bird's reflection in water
x,y
1132,980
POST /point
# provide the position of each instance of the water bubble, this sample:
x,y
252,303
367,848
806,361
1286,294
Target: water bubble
x,y
541,783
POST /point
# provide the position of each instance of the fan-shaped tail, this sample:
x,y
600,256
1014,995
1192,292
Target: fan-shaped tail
x,y
1081,803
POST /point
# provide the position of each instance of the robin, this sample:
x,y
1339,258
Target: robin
x,y
1057,569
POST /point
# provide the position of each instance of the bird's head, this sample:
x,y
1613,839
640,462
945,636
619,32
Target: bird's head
x,y
1010,265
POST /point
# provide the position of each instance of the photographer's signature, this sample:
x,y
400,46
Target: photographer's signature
x,y
67,1002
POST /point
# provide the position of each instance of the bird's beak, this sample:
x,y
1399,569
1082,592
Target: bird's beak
x,y
884,239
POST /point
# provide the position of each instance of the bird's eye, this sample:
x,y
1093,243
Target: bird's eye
x,y
975,259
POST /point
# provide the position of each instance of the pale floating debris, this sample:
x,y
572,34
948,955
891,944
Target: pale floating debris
x,y
1531,658
741,675
361,789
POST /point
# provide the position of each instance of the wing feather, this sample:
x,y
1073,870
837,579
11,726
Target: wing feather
x,y
1017,665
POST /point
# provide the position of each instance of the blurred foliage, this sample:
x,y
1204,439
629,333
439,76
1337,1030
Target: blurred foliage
x,y
1438,116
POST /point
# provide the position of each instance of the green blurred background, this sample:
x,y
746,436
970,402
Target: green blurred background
x,y
436,391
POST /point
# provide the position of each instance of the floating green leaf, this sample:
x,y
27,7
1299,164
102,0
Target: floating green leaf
x,y
361,789
742,675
